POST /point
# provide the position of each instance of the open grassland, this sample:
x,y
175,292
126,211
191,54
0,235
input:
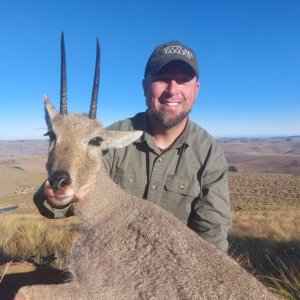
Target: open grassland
x,y
264,237
265,234
264,192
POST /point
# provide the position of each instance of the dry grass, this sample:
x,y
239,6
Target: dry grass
x,y
33,238
264,192
20,175
265,234
25,235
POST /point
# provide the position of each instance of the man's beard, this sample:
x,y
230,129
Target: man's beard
x,y
165,119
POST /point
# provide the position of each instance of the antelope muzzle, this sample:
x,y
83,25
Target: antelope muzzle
x,y
59,179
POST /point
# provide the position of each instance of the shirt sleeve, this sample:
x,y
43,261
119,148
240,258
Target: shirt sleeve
x,y
46,209
210,215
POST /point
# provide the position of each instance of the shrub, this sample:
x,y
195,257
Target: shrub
x,y
232,169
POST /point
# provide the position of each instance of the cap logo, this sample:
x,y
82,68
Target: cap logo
x,y
178,50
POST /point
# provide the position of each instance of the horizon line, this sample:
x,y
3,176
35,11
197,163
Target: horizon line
x,y
217,137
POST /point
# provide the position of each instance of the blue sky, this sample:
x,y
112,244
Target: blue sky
x,y
248,54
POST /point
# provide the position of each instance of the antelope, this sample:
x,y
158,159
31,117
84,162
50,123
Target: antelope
x,y
130,248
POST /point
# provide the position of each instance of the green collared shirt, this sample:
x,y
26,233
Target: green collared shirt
x,y
189,179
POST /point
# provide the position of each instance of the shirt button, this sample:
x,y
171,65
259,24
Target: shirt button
x,y
154,187
182,186
130,179
160,159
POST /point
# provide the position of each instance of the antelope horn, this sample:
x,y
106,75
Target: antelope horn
x,y
94,100
63,78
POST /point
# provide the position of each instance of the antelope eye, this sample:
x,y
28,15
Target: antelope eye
x,y
51,135
96,141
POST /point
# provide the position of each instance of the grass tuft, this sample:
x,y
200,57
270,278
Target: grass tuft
x,y
37,239
287,279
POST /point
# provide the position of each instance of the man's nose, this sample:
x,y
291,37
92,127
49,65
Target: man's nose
x,y
173,87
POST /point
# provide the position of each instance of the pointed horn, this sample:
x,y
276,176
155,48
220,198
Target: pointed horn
x,y
63,78
93,108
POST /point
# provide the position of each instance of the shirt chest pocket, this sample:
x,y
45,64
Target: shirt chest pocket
x,y
183,186
131,179
178,195
132,182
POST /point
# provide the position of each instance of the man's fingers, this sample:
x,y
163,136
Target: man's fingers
x,y
48,191
89,185
85,190
79,195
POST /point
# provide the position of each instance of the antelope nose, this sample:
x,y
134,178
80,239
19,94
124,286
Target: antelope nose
x,y
59,179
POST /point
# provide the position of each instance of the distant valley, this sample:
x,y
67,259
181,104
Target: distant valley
x,y
271,155
250,155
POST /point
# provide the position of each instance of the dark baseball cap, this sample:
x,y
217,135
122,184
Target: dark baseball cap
x,y
170,51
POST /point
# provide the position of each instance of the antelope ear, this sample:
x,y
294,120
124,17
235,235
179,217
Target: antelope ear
x,y
50,111
119,139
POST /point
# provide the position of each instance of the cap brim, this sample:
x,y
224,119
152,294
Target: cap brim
x,y
161,64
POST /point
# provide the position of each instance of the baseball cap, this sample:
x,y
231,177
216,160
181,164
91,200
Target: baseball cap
x,y
170,51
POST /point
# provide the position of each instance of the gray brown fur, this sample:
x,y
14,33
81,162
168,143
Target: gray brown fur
x,y
131,248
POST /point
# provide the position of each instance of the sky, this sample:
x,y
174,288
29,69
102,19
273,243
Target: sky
x,y
248,54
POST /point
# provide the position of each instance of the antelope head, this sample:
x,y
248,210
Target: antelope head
x,y
77,141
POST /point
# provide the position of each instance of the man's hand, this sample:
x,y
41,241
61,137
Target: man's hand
x,y
82,192
68,194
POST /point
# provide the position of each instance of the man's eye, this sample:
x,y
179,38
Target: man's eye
x,y
182,80
51,135
96,141
167,80
163,79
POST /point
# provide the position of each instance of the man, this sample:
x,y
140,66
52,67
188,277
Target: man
x,y
175,164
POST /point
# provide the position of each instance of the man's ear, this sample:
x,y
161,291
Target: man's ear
x,y
197,87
